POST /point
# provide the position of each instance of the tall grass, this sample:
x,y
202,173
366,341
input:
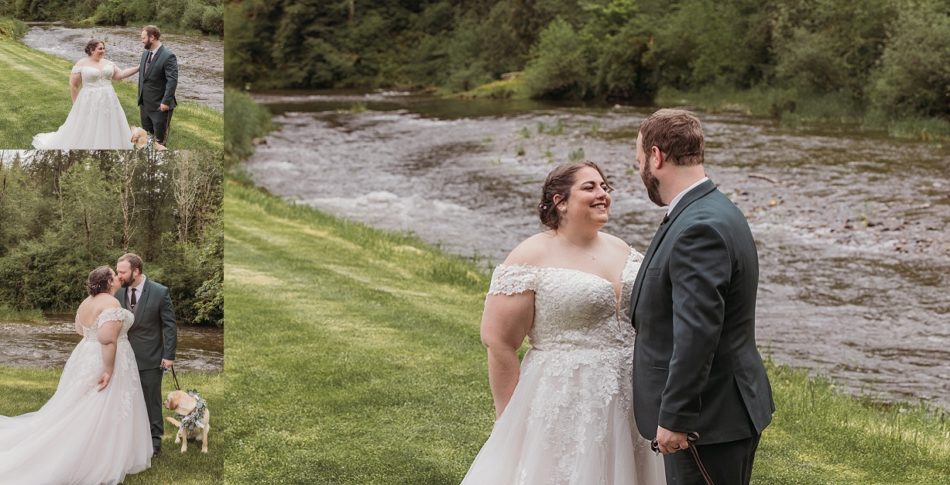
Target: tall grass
x,y
36,100
244,120
9,314
353,356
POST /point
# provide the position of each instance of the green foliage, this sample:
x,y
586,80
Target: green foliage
x,y
244,120
558,67
78,210
11,28
203,15
914,73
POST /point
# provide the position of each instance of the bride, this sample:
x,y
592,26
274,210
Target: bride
x,y
96,120
95,427
564,415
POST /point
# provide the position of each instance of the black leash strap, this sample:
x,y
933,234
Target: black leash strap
x,y
176,378
693,437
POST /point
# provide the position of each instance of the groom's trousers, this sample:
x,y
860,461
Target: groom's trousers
x,y
152,389
727,463
157,123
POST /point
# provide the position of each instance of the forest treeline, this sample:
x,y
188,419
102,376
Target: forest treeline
x,y
64,213
206,16
887,56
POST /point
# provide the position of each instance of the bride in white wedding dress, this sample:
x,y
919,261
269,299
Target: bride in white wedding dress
x,y
564,415
96,120
94,430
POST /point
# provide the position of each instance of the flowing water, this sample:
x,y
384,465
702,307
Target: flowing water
x,y
49,345
851,227
200,58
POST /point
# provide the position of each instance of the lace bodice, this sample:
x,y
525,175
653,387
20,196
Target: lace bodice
x,y
572,308
108,315
95,77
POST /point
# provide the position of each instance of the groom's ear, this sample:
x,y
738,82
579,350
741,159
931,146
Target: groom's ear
x,y
657,158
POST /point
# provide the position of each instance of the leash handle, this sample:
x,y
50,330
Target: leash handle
x,y
693,437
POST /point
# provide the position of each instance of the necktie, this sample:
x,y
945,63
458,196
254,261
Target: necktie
x,y
133,300
148,62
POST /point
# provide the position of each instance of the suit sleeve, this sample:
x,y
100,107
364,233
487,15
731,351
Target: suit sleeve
x,y
171,80
700,270
169,329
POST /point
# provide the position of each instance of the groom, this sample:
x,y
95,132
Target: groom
x,y
158,78
696,366
153,335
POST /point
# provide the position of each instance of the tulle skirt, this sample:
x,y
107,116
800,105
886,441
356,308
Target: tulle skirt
x,y
81,436
569,422
95,122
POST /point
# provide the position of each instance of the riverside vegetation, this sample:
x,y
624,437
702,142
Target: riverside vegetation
x,y
36,86
879,64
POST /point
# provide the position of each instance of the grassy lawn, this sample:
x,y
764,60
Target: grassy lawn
x,y
353,356
36,100
25,390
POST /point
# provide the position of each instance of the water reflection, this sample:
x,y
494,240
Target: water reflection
x,y
851,226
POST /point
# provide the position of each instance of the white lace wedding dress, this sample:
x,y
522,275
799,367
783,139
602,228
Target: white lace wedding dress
x,y
82,436
570,419
96,120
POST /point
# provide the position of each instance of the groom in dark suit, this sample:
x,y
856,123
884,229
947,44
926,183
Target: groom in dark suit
x,y
696,366
153,335
158,78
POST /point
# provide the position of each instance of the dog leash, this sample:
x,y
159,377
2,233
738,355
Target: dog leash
x,y
177,387
692,437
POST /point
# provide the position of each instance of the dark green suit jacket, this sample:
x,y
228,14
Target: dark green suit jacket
x,y
157,86
154,335
696,366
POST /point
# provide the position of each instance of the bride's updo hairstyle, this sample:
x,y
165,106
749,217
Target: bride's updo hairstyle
x,y
98,281
91,46
559,182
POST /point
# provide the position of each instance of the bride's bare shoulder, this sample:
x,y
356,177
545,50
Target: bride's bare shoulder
x,y
531,251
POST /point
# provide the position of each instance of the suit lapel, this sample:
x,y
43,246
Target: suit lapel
x,y
121,295
693,195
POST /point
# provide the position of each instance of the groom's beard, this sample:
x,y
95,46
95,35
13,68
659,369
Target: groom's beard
x,y
148,46
652,184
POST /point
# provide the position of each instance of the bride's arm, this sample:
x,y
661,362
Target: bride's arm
x,y
75,82
108,333
119,74
505,323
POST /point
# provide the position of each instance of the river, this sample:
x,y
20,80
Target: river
x,y
851,227
200,58
49,345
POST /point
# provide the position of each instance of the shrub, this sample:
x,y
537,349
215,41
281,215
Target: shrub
x,y
558,66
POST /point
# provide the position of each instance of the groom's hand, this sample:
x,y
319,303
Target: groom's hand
x,y
103,381
167,364
163,107
670,441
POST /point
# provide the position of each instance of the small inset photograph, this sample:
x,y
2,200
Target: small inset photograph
x,y
111,316
112,76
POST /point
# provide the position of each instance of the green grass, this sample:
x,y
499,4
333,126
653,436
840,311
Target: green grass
x,y
25,390
36,100
353,356
244,120
8,314
513,88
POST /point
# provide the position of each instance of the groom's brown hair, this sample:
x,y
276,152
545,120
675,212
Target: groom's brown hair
x,y
153,31
135,262
677,133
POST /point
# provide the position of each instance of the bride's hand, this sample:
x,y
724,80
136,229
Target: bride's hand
x,y
103,381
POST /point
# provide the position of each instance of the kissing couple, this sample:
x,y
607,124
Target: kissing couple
x,y
97,120
632,355
105,419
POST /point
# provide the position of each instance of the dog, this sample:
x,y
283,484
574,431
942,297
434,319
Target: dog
x,y
140,139
191,426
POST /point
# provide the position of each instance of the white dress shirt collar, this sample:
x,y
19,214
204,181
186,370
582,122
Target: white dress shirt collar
x,y
679,196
